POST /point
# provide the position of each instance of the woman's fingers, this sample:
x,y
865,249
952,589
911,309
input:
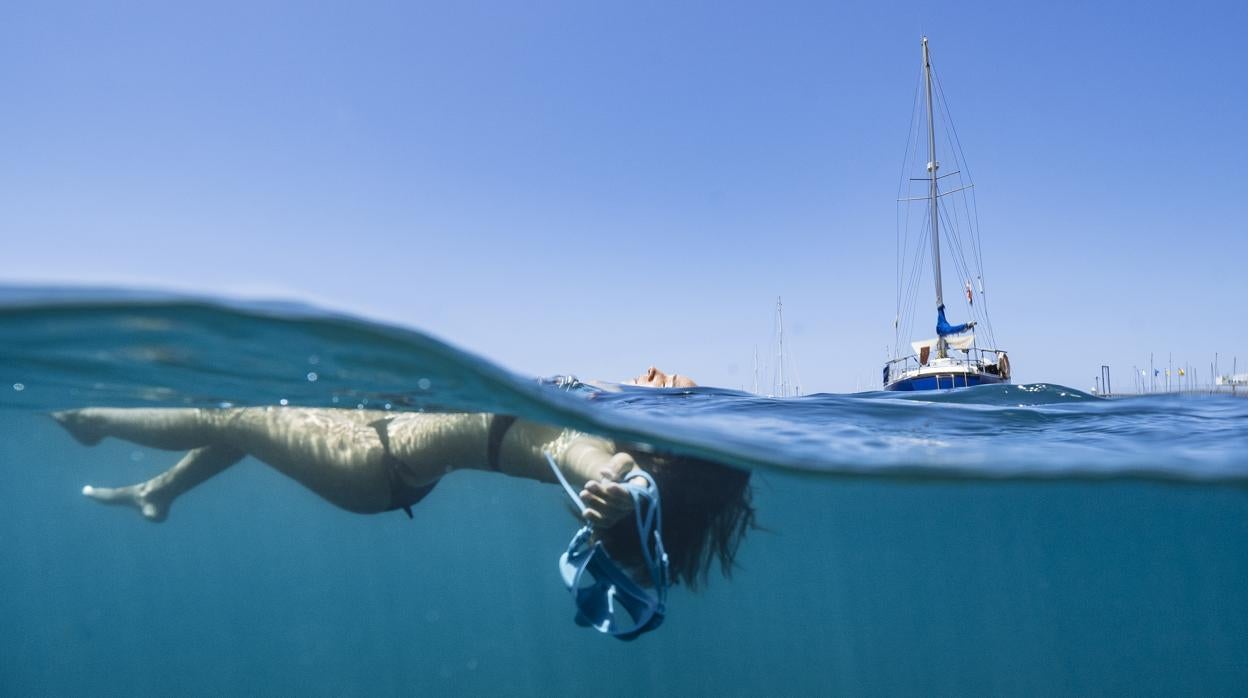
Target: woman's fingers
x,y
619,466
594,500
610,494
607,502
599,497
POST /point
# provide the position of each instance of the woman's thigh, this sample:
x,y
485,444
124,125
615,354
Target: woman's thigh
x,y
335,453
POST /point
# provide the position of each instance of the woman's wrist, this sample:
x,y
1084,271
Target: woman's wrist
x,y
588,458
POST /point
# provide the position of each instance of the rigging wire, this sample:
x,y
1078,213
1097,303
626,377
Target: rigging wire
x,y
959,219
902,241
960,263
922,239
916,277
952,130
970,202
959,256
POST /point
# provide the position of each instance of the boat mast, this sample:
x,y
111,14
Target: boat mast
x,y
780,322
933,193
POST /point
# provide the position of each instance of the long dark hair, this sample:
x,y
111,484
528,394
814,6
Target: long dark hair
x,y
706,513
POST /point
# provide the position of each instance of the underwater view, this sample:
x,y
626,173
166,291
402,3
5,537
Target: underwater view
x,y
623,349
993,540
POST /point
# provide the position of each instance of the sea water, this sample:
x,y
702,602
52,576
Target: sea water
x,y
1000,540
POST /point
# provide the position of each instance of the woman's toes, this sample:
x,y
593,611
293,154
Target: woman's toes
x,y
79,426
151,512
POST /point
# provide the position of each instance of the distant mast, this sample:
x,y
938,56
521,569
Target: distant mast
x,y
780,322
754,387
933,192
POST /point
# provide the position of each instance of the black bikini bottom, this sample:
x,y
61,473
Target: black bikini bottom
x,y
404,495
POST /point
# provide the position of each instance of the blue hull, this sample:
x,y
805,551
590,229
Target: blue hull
x,y
944,381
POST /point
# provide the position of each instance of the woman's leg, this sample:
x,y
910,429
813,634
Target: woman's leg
x,y
154,497
335,453
170,429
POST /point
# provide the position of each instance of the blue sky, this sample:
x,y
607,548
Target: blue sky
x,y
577,187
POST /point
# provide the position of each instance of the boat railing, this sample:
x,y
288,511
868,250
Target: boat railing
x,y
977,358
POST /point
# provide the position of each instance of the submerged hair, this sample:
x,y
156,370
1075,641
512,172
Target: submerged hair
x,y
706,510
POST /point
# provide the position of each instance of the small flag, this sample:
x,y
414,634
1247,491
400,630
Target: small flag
x,y
1181,373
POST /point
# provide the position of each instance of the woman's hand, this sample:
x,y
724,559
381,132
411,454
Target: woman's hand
x,y
608,501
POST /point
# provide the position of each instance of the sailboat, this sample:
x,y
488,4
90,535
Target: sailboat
x,y
955,357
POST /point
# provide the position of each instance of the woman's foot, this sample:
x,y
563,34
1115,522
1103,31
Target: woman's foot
x,y
81,425
137,496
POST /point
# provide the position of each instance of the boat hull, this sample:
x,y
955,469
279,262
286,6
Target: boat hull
x,y
943,381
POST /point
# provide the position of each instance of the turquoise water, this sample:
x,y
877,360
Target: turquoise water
x,y
1020,540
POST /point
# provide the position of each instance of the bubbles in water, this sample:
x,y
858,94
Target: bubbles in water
x,y
224,404
312,376
387,405
19,387
314,359
283,402
423,383
334,399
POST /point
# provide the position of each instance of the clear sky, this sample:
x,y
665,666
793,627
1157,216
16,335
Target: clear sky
x,y
590,188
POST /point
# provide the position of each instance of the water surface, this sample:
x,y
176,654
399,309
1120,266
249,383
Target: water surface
x,y
997,540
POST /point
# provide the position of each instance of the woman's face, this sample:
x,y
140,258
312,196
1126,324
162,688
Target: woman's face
x,y
654,378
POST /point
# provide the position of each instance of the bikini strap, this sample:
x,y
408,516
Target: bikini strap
x,y
499,424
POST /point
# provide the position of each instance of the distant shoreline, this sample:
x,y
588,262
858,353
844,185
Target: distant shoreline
x,y
1195,392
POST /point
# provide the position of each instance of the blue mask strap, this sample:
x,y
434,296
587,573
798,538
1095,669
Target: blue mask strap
x,y
611,579
649,524
567,486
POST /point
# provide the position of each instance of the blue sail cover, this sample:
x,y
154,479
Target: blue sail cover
x,y
944,328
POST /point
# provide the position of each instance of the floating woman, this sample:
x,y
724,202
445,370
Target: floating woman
x,y
371,461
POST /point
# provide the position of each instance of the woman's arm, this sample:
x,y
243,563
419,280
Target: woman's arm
x,y
429,445
581,457
590,463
